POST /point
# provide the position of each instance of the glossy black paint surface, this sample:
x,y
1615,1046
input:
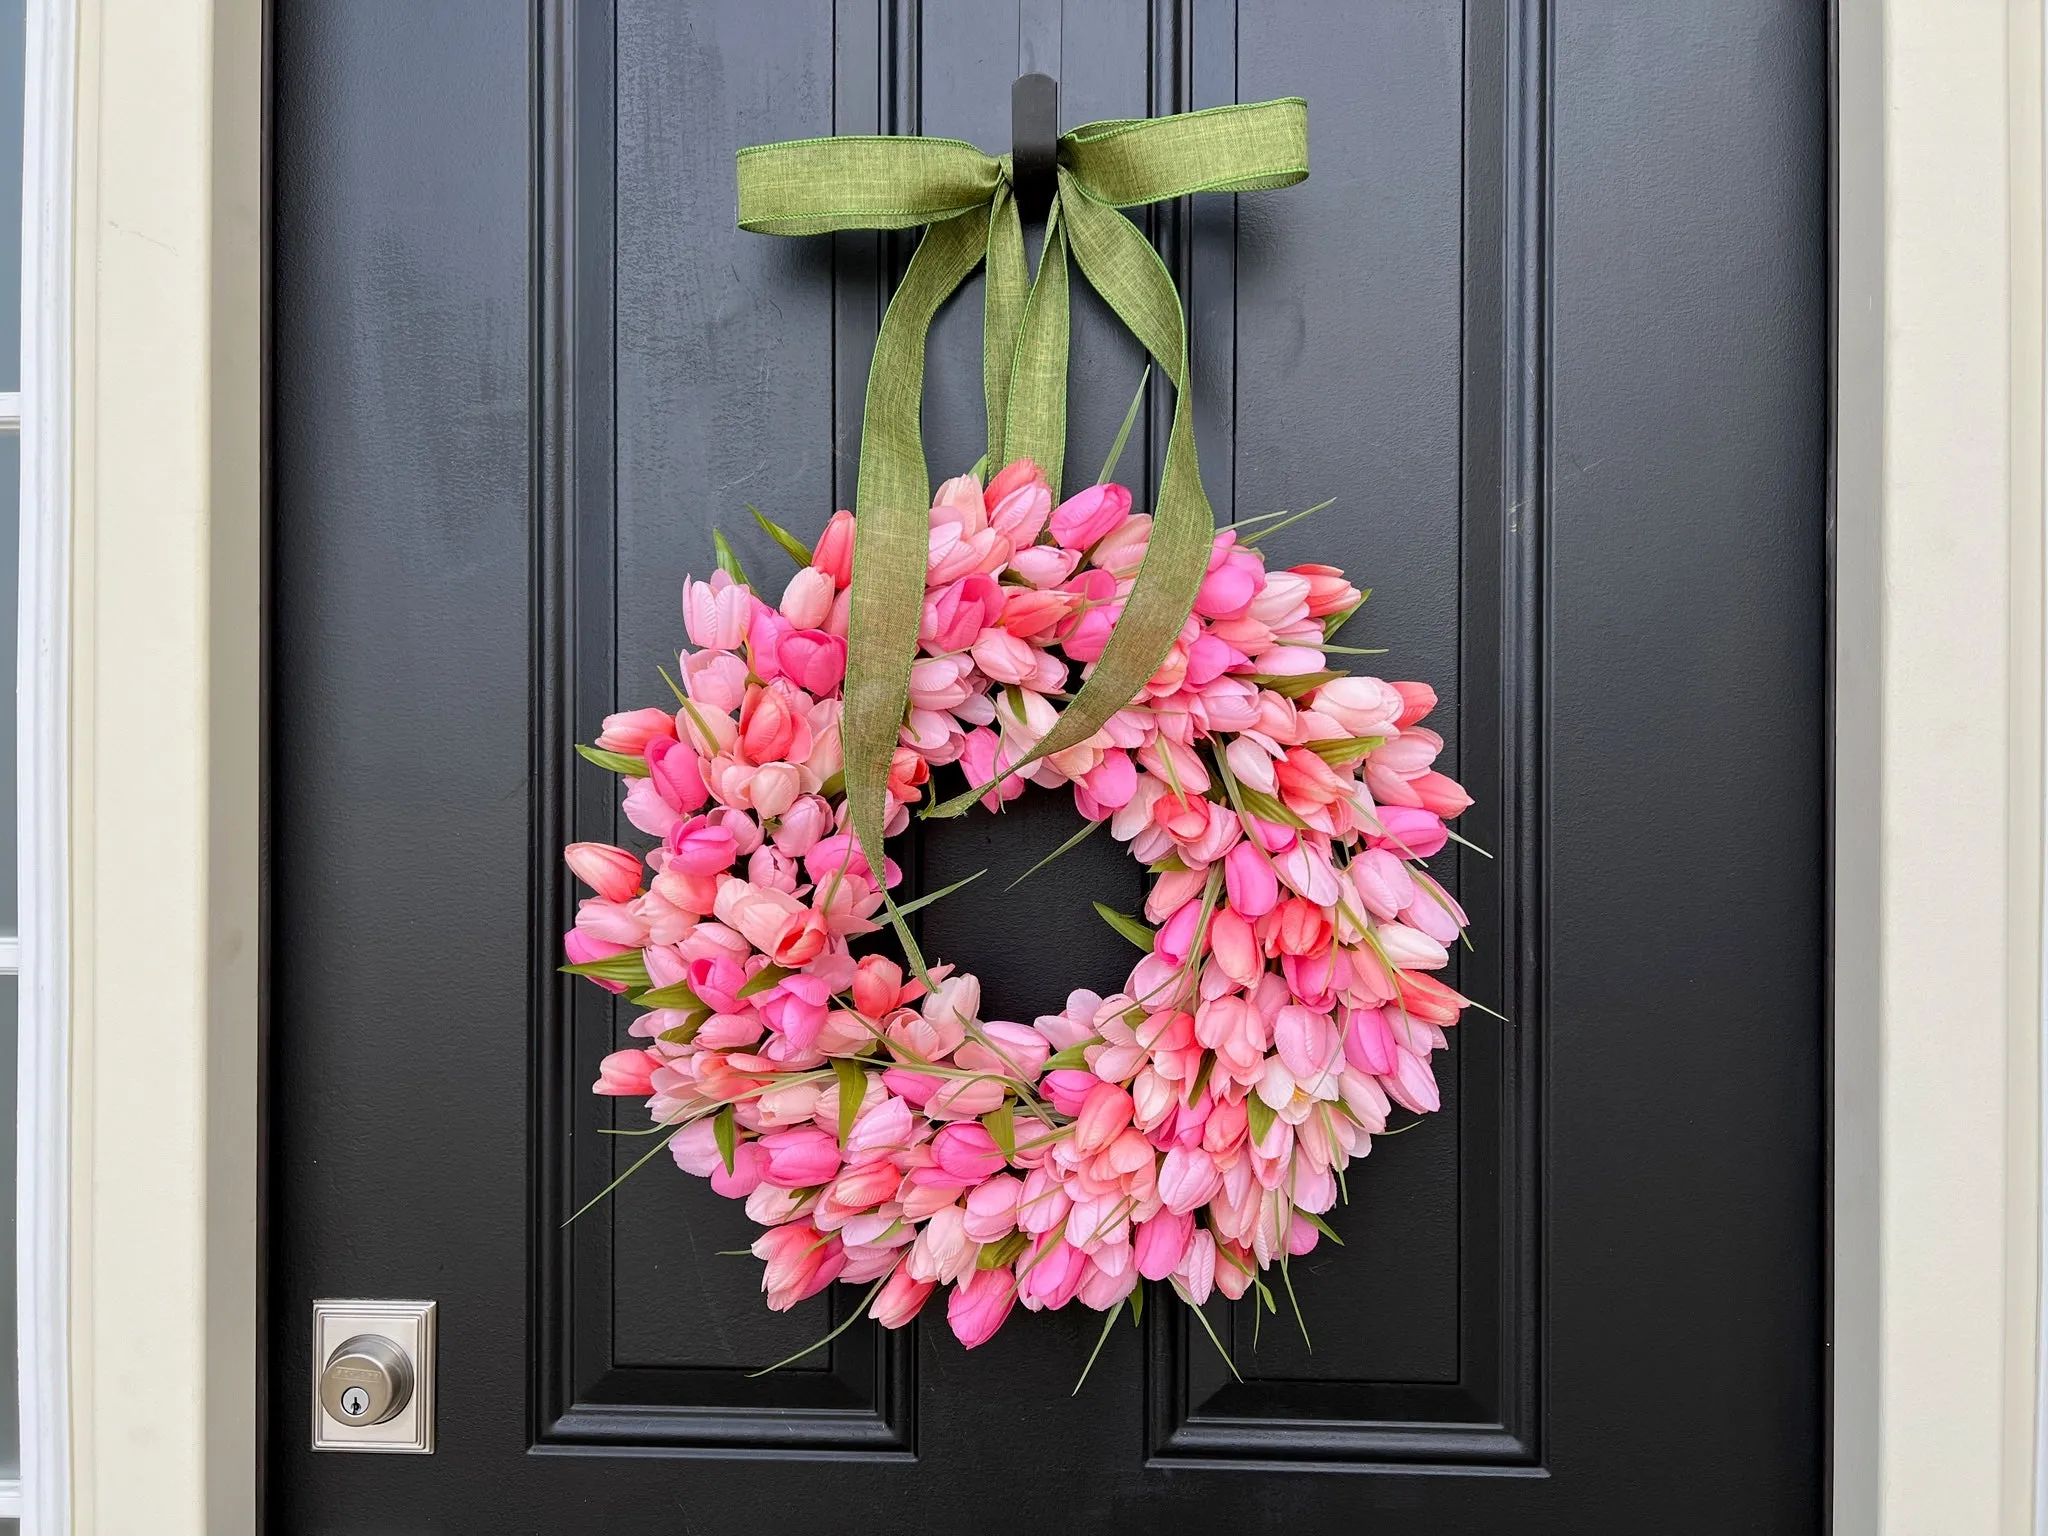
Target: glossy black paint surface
x,y
1547,318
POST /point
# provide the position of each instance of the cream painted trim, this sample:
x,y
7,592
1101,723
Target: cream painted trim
x,y
164,783
1958,939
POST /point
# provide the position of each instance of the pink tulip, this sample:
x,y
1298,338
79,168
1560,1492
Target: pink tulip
x,y
1104,1113
626,1074
881,1127
967,1152
1069,1089
1122,549
1176,937
676,774
1417,700
1187,1178
770,789
812,659
956,613
1003,657
801,1262
1234,579
1305,1040
1369,1041
700,848
1328,591
1018,501
1443,795
1411,949
1410,832
1056,1270
1360,706
1412,1084
800,1158
834,552
992,1208
1249,881
1235,946
630,732
1081,521
807,600
1044,566
979,1304
582,948
899,1300
612,872
1162,1242
769,724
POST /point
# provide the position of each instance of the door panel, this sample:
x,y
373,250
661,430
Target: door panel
x,y
1547,320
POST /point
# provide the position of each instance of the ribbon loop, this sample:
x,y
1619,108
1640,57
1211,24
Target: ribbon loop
x,y
966,197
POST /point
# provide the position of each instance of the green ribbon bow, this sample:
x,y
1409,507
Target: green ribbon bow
x,y
815,186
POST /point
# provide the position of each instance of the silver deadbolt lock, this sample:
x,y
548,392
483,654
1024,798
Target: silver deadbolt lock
x,y
367,1380
373,1376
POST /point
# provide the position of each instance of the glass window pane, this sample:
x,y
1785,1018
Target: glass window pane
x,y
10,1361
13,41
10,560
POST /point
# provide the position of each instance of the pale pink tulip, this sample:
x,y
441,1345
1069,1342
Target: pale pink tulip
x,y
631,731
716,612
807,600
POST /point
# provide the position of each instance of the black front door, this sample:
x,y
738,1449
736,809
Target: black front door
x,y
1548,319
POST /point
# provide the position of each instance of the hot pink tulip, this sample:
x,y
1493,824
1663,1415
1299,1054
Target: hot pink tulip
x,y
801,1157
1249,881
1081,521
700,848
967,1152
1162,1242
812,659
979,1304
1068,1089
1369,1041
676,774
582,948
1409,831
612,872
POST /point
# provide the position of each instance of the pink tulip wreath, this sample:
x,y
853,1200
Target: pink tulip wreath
x,y
1191,1127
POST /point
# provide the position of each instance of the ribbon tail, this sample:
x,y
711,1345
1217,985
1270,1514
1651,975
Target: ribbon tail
x,y
1036,424
892,525
1121,265
1004,297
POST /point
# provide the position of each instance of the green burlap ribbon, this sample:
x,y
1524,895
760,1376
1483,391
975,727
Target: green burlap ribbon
x,y
815,186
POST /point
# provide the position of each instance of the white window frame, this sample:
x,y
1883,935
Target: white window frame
x,y
41,413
